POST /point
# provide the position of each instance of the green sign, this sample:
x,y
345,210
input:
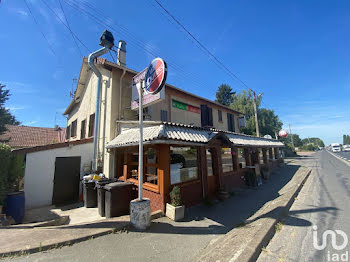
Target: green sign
x,y
179,105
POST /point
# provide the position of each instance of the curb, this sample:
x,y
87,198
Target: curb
x,y
261,231
62,243
340,158
37,249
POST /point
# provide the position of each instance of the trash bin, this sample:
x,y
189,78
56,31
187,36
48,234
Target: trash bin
x,y
100,185
90,194
117,198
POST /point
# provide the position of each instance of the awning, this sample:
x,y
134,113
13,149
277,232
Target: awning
x,y
162,132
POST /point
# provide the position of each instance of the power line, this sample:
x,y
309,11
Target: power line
x,y
202,45
137,43
41,31
70,30
73,34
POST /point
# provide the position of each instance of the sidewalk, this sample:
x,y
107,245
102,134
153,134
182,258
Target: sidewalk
x,y
165,240
28,239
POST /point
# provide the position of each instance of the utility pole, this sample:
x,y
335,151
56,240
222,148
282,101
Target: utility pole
x,y
256,114
291,135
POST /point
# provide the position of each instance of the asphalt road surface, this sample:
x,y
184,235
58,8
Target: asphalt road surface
x,y
344,155
324,201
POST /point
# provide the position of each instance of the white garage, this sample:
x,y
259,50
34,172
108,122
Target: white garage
x,y
53,172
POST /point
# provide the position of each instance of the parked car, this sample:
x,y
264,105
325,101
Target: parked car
x,y
346,148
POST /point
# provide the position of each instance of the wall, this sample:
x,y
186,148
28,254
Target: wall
x,y
40,169
186,117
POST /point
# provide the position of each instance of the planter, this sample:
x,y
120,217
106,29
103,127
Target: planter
x,y
15,206
175,213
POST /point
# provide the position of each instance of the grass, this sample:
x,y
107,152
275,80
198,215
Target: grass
x,y
40,247
278,227
263,249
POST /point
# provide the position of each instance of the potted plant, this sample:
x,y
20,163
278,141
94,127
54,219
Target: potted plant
x,y
175,210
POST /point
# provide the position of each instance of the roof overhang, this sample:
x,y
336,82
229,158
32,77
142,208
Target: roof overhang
x,y
173,133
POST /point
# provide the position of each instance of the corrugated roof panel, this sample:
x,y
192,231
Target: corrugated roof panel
x,y
179,132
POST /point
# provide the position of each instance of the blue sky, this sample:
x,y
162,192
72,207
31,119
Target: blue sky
x,y
295,52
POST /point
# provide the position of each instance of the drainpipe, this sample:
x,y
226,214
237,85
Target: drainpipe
x,y
120,94
107,41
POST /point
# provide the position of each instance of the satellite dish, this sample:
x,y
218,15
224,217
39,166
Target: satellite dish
x,y
268,136
283,133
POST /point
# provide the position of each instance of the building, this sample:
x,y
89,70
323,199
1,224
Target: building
x,y
29,136
189,141
178,106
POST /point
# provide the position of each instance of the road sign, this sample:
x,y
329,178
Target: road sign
x,y
148,98
283,133
155,76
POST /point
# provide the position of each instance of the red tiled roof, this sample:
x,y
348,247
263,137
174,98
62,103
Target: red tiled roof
x,y
29,136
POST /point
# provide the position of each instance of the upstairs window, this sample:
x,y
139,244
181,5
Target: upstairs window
x,y
91,125
163,115
230,122
73,131
68,132
220,115
83,129
206,116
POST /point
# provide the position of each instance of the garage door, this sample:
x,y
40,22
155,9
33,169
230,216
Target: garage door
x,y
66,180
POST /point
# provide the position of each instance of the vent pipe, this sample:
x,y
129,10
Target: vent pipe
x,y
107,41
121,54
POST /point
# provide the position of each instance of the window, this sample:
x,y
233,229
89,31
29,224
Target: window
x,y
73,131
210,166
241,158
68,132
183,164
150,160
91,125
226,160
151,166
220,115
163,115
206,116
230,122
82,129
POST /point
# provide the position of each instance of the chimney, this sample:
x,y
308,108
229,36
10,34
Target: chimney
x,y
122,53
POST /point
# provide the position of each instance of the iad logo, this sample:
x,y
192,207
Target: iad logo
x,y
333,237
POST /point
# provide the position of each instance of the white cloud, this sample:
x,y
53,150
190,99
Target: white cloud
x,y
19,11
19,87
15,108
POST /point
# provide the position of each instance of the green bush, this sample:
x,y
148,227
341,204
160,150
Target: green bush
x,y
5,162
16,172
175,196
11,171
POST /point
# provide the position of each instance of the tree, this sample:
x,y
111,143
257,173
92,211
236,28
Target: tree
x,y
296,140
224,95
269,122
317,142
6,118
346,139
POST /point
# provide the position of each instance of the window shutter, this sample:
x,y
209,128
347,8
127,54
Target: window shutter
x,y
204,115
210,116
163,115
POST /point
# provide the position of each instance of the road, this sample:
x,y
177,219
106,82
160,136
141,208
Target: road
x,y
344,155
324,201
